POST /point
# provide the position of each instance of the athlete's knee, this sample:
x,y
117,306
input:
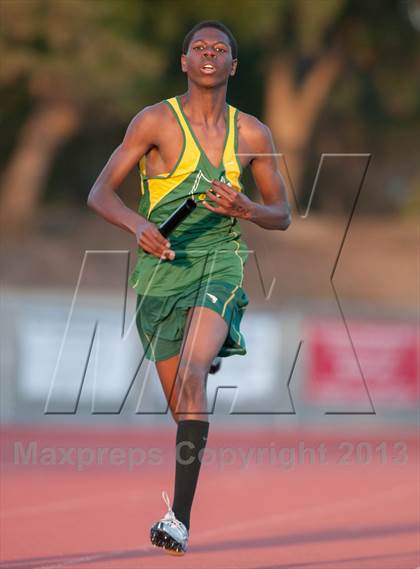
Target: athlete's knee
x,y
192,376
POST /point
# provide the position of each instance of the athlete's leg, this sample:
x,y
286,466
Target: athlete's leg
x,y
184,379
205,332
167,369
202,342
167,372
203,339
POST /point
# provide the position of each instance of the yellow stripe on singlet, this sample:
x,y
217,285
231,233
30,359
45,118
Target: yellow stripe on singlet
x,y
161,186
230,158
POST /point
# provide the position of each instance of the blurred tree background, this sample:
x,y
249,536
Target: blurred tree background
x,y
325,75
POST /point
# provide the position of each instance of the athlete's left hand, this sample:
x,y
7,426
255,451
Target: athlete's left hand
x,y
229,201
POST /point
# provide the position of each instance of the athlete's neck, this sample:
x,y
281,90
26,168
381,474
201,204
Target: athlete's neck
x,y
205,106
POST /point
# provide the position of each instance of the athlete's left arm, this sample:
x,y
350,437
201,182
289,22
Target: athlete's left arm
x,y
275,212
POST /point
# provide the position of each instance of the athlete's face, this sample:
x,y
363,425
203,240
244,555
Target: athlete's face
x,y
208,61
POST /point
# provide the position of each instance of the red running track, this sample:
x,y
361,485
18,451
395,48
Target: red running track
x,y
287,500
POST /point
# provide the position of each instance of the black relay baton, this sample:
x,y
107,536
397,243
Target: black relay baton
x,y
177,217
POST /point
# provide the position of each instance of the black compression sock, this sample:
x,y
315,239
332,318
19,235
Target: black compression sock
x,y
191,437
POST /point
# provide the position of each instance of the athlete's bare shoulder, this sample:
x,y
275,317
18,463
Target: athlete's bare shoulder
x,y
148,122
254,136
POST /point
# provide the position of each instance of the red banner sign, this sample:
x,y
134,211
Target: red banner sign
x,y
342,363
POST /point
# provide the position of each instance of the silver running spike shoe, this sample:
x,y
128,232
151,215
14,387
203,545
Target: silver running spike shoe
x,y
169,533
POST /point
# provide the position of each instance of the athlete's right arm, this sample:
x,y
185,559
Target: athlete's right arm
x,y
139,138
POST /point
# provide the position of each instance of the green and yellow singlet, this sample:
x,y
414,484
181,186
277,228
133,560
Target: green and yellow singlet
x,y
207,245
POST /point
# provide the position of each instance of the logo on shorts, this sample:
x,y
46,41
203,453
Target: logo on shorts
x,y
213,298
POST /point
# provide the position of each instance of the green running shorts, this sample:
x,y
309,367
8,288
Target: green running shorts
x,y
161,319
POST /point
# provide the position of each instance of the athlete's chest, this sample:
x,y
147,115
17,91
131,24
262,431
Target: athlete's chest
x,y
180,136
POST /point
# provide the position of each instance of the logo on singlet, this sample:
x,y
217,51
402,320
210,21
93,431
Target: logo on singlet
x,y
213,298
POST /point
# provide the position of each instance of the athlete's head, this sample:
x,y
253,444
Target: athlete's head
x,y
209,53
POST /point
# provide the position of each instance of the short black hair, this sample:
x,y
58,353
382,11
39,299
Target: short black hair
x,y
211,24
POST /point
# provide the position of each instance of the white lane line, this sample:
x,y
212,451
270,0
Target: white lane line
x,y
88,558
73,504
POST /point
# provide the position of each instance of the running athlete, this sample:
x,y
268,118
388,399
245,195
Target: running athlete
x,y
190,299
